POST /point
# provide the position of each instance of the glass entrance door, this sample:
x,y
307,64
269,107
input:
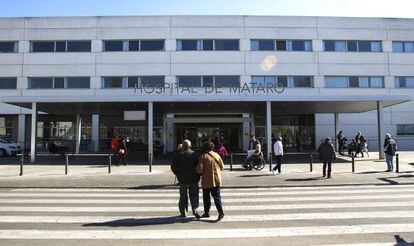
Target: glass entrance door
x,y
230,134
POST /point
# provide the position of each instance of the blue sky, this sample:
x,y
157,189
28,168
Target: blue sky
x,y
363,8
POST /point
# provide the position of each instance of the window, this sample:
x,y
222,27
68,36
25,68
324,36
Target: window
x,y
188,44
262,45
8,83
354,82
61,46
404,82
8,47
132,82
133,45
112,82
336,82
299,45
352,46
208,45
263,81
152,81
227,81
43,46
282,80
208,81
59,83
189,81
302,81
281,45
399,46
226,44
78,46
41,83
78,82
152,45
405,129
113,45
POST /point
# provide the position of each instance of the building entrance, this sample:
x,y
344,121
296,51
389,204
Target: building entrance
x,y
230,134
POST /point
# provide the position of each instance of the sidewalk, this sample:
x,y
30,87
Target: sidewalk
x,y
367,171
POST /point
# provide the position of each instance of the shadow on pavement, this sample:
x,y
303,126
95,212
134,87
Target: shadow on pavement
x,y
401,241
257,175
304,180
131,222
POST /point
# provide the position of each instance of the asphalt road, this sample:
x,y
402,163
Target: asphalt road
x,y
360,215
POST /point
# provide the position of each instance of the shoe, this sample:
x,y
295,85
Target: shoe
x,y
388,171
273,172
182,216
328,177
196,214
220,217
205,215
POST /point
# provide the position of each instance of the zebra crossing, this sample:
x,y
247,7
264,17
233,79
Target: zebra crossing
x,y
343,215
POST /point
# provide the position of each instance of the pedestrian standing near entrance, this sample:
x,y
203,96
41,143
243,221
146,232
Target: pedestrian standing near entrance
x,y
360,144
340,139
326,155
184,167
210,166
390,148
122,151
278,152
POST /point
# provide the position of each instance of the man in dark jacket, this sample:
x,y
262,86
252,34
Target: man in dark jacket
x,y
390,147
184,166
326,155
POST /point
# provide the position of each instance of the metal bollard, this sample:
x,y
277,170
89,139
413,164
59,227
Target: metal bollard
x,y
66,164
397,163
21,164
311,162
110,163
231,161
353,164
150,163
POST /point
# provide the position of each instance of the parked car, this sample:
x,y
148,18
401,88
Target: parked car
x,y
8,148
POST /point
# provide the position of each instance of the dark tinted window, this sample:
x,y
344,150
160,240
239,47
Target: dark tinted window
x,y
329,45
43,46
8,83
152,81
281,45
152,45
189,81
298,45
282,80
207,44
132,82
364,46
79,46
302,81
78,82
113,45
60,46
187,45
133,45
208,81
227,81
265,44
59,83
352,46
353,81
41,83
8,47
112,82
226,44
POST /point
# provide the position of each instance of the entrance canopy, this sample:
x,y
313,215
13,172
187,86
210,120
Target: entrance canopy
x,y
283,105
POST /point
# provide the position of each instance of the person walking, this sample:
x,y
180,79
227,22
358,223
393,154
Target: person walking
x,y
340,140
390,148
326,155
278,152
184,166
122,151
210,166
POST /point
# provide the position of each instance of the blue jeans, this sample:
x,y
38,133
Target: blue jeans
x,y
389,159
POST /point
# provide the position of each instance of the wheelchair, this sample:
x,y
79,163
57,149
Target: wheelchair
x,y
255,161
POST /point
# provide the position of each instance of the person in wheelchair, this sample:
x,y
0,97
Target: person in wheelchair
x,y
54,149
252,155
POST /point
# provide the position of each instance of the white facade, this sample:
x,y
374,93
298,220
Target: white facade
x,y
243,62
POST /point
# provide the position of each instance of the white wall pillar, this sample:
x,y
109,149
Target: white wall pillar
x,y
21,133
95,132
33,134
336,119
150,132
78,133
269,128
380,122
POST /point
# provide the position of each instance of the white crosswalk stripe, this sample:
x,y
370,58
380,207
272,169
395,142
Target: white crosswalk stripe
x,y
250,213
